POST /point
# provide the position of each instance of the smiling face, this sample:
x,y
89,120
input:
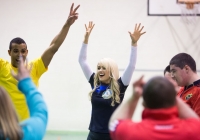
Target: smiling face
x,y
103,73
107,70
17,50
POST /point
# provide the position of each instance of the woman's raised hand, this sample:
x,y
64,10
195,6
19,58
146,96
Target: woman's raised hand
x,y
88,31
135,36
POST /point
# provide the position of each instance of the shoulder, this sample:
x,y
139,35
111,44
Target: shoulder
x,y
2,61
197,88
37,60
121,85
194,92
91,80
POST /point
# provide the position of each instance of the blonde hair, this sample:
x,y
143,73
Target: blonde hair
x,y
112,67
9,123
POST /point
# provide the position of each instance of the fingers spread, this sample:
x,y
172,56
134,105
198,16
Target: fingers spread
x,y
76,8
135,27
90,24
92,27
138,27
89,27
71,9
141,29
143,33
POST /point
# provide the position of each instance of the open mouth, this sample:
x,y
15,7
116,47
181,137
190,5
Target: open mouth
x,y
17,60
101,75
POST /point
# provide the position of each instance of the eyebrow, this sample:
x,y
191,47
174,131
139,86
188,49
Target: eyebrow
x,y
18,49
172,70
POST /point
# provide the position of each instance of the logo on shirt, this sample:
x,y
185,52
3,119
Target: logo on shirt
x,y
107,94
163,127
188,96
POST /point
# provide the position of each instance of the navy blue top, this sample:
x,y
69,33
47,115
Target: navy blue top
x,y
101,108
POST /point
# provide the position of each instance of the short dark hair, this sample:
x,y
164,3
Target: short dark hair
x,y
182,59
158,93
16,40
167,69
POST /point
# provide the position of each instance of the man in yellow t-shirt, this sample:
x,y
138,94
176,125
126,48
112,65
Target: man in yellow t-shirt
x,y
9,83
18,48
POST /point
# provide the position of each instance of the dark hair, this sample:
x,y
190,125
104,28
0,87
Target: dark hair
x,y
182,59
159,92
167,69
16,40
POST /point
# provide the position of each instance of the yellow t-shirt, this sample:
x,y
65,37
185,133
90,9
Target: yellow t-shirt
x,y
10,84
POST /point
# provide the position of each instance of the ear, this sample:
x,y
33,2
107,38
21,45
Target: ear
x,y
9,52
187,68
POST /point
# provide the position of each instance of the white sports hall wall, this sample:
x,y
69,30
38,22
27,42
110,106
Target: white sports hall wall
x,y
64,86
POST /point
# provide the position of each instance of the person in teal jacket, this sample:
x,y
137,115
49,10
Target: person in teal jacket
x,y
33,128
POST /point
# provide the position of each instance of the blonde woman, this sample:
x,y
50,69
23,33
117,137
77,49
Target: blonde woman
x,y
107,87
33,128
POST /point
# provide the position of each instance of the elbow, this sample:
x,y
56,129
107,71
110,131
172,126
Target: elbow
x,y
54,50
80,61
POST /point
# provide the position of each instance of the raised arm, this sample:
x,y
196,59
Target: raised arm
x,y
83,52
135,36
58,40
126,108
33,128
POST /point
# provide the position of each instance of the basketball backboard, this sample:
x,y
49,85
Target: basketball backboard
x,y
167,7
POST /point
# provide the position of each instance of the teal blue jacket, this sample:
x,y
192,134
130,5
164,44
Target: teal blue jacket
x,y
33,128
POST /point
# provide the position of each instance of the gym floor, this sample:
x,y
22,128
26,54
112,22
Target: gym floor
x,y
69,135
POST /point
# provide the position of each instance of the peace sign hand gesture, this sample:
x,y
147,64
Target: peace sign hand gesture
x,y
136,34
72,15
88,31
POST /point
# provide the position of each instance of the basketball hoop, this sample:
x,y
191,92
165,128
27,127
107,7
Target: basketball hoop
x,y
189,10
